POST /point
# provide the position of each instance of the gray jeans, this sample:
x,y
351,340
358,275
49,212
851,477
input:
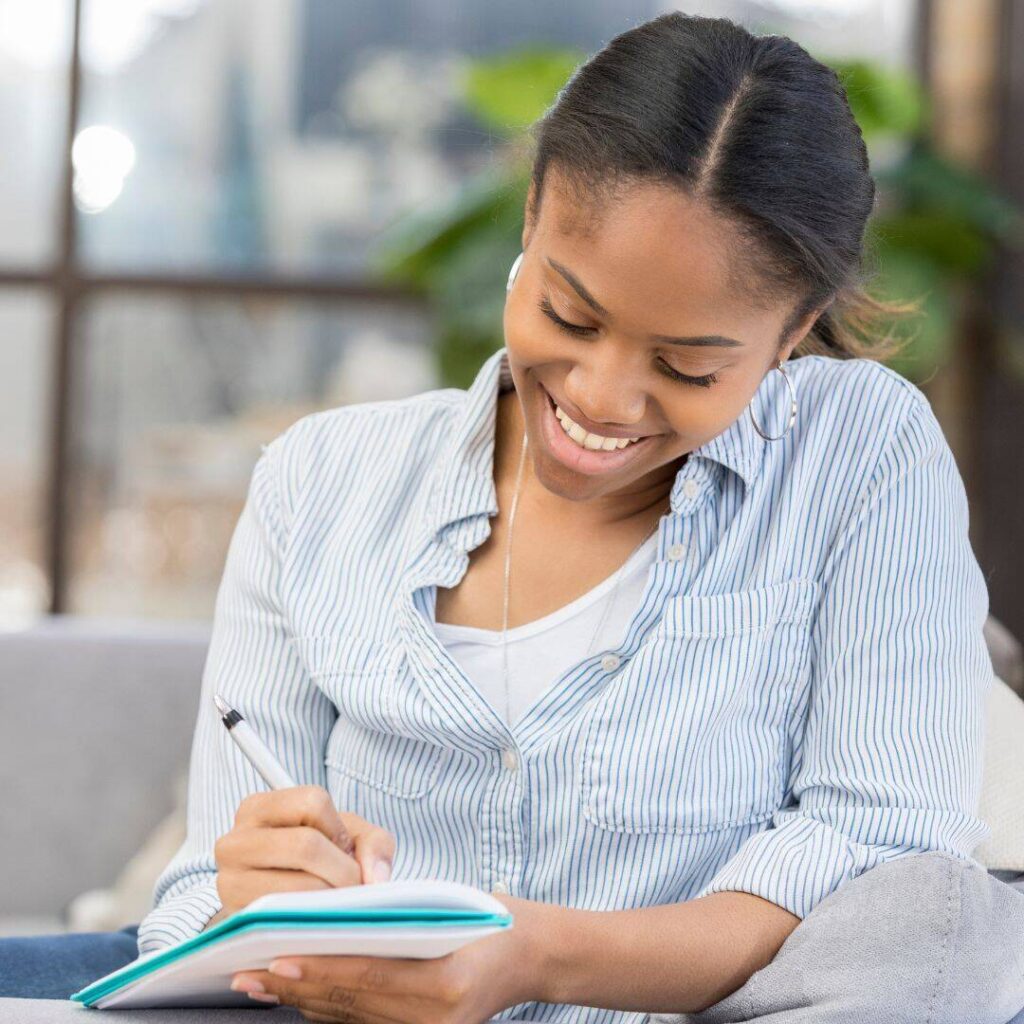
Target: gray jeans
x,y
924,939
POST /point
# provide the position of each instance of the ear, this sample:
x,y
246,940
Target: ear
x,y
801,330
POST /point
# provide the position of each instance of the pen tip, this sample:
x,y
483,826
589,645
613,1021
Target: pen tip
x,y
222,705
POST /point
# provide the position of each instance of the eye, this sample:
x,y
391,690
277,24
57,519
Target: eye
x,y
702,382
578,329
549,311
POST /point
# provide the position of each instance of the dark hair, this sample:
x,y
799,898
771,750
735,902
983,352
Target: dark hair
x,y
751,125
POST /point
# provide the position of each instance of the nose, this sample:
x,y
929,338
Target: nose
x,y
606,398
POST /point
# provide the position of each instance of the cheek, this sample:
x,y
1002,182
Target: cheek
x,y
705,414
528,341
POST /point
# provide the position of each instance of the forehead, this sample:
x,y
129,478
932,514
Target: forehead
x,y
649,240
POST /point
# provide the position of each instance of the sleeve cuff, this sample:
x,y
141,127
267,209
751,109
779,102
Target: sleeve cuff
x,y
803,860
179,917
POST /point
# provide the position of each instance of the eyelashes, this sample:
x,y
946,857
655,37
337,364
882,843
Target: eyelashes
x,y
549,311
577,330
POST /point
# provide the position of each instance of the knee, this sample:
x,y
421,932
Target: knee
x,y
926,937
984,975
932,930
25,971
55,966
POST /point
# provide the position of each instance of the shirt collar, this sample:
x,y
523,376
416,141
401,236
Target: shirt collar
x,y
465,487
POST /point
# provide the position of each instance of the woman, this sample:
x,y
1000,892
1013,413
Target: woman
x,y
733,659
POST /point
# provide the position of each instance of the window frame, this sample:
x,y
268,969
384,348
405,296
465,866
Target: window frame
x,y
69,285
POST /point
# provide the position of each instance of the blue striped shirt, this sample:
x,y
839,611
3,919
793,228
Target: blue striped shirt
x,y
798,697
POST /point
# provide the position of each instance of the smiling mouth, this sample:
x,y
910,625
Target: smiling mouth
x,y
570,452
572,427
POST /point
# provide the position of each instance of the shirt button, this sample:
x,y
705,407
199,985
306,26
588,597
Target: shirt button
x,y
690,487
510,760
500,888
676,552
610,662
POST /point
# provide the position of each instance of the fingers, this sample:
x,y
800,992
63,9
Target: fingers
x,y
382,977
300,848
329,1001
299,805
239,889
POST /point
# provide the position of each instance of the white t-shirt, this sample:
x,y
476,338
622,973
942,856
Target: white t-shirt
x,y
540,652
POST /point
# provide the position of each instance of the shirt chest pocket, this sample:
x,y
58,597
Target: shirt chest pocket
x,y
691,736
381,737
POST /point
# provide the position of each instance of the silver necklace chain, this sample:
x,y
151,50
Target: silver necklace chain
x,y
508,562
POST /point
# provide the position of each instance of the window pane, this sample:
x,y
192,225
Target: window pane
x,y
177,395
35,39
882,30
26,325
286,133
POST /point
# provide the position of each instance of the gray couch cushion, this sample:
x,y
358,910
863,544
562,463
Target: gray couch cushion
x,y
97,719
53,1011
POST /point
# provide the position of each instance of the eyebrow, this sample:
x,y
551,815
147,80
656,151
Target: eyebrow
x,y
700,340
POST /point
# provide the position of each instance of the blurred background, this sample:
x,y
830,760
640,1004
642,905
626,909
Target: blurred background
x,y
217,216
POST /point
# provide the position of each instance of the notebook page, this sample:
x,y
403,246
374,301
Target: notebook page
x,y
406,892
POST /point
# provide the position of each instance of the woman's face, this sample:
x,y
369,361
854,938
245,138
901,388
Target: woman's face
x,y
652,266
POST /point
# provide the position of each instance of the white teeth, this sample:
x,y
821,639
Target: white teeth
x,y
594,442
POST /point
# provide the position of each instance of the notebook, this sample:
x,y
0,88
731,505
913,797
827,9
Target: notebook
x,y
421,918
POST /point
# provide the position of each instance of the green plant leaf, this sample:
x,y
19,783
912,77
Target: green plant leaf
x,y
949,244
510,92
924,180
883,101
414,248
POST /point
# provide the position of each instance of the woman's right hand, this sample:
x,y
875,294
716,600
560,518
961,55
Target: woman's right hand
x,y
294,839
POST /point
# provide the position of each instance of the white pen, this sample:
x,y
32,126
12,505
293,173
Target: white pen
x,y
253,747
260,756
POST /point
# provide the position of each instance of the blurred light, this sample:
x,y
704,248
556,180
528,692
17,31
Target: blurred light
x,y
115,32
400,92
35,32
24,589
102,158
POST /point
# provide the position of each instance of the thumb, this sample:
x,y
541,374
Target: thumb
x,y
375,852
374,849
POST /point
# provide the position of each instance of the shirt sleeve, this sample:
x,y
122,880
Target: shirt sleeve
x,y
253,665
888,760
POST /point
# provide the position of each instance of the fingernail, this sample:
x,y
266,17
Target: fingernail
x,y
247,985
285,969
381,871
264,997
